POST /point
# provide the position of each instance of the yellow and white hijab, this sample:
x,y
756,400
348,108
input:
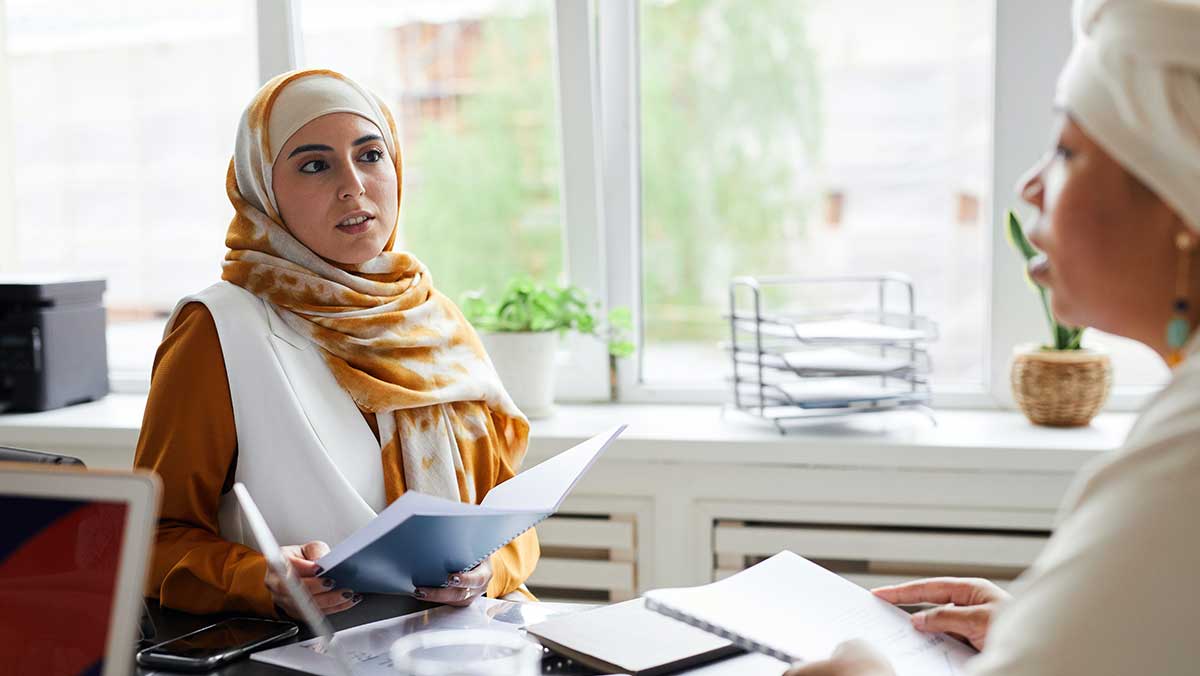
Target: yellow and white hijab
x,y
402,350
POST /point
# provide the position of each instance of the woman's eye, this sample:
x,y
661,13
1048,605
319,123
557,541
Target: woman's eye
x,y
372,155
313,166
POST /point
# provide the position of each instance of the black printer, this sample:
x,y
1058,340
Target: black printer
x,y
52,345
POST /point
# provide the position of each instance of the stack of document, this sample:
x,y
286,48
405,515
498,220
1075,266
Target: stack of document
x,y
831,361
841,331
830,393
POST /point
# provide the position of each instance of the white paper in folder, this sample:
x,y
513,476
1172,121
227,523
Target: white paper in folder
x,y
795,610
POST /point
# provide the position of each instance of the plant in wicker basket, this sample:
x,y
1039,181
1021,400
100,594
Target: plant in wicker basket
x,y
1061,383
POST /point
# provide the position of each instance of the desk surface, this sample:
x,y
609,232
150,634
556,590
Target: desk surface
x,y
170,624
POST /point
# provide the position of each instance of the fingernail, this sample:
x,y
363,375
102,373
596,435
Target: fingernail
x,y
419,594
320,571
327,582
918,620
347,595
357,598
455,580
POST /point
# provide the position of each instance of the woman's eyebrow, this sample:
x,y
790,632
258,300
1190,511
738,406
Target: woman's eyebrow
x,y
317,146
308,147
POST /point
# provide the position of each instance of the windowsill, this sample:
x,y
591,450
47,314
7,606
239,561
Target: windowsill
x,y
982,440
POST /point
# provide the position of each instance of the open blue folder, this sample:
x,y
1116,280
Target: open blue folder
x,y
420,539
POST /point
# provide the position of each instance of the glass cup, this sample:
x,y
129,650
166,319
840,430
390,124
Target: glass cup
x,y
466,652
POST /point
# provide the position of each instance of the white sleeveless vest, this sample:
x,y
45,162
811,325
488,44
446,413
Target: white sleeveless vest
x,y
304,451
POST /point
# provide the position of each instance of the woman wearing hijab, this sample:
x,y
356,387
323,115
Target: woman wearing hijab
x,y
1114,591
324,371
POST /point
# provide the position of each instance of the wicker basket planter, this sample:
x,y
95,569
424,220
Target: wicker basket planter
x,y
1061,388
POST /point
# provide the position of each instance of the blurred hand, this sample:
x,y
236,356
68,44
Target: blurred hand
x,y
302,560
461,588
852,658
969,603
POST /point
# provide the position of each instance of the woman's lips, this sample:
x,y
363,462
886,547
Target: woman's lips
x,y
357,228
1039,269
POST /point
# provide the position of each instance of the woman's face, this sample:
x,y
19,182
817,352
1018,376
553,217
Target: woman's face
x,y
335,185
1110,256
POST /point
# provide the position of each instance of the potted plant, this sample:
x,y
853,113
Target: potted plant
x,y
1062,383
521,330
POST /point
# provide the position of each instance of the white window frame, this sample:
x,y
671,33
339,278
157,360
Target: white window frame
x,y
280,34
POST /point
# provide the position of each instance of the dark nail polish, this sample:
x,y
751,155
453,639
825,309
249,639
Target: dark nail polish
x,y
347,595
320,571
419,594
357,598
455,580
328,583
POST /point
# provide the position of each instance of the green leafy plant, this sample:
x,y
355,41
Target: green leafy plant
x,y
526,305
1064,337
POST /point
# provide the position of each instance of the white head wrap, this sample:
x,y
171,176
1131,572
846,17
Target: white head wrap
x,y
1133,83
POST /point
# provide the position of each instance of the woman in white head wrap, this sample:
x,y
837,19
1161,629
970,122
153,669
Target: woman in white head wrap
x,y
1115,591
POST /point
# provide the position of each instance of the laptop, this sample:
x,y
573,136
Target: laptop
x,y
311,615
74,546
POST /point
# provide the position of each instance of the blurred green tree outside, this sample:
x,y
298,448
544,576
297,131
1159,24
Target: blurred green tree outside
x,y
731,126
487,204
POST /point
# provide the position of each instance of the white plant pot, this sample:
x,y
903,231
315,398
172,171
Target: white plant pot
x,y
525,362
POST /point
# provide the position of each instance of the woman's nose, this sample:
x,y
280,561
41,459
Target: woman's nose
x,y
351,185
1030,186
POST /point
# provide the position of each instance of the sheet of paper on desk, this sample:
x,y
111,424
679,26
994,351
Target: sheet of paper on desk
x,y
368,645
793,609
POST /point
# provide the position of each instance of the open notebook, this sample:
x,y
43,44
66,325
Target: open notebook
x,y
794,610
420,539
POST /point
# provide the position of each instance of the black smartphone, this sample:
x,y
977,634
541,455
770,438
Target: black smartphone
x,y
216,644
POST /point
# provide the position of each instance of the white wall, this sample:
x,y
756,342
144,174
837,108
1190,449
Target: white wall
x,y
1033,39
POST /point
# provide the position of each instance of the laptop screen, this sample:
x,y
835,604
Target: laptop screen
x,y
59,561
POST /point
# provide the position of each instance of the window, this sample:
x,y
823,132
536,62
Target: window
x,y
471,85
795,138
648,150
123,120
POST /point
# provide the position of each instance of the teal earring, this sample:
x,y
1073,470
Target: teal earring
x,y
1179,327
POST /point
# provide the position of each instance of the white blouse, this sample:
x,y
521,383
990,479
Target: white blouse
x,y
1117,588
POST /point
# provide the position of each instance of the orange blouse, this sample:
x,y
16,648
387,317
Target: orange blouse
x,y
188,437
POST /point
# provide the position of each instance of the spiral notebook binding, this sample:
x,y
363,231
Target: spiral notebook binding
x,y
516,535
738,640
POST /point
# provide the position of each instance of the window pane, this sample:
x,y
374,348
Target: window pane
x,y
792,137
123,119
471,85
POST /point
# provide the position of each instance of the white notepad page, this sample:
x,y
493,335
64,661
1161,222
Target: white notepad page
x,y
794,610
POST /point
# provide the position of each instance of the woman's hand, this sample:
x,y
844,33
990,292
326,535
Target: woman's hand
x,y
461,589
852,658
302,559
969,603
